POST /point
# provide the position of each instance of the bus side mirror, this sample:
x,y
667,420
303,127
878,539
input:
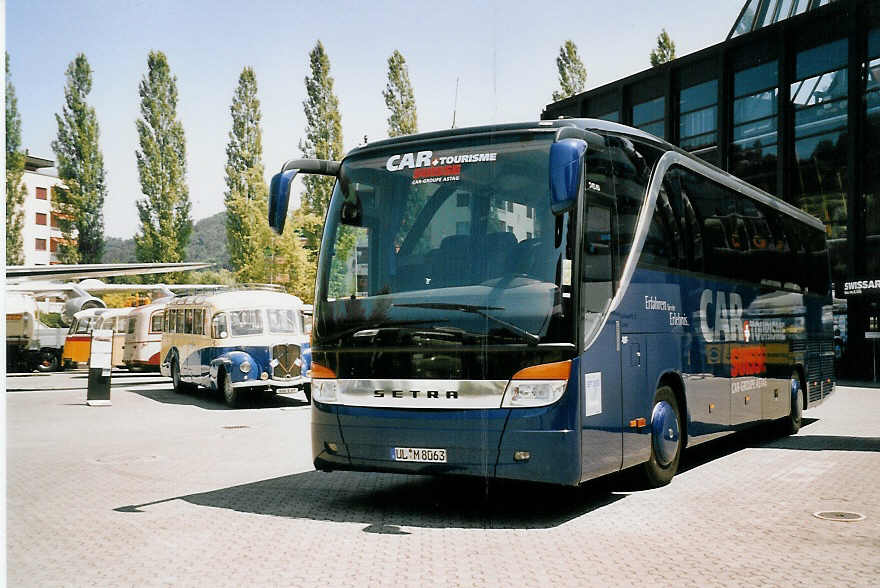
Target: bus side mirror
x,y
566,163
279,198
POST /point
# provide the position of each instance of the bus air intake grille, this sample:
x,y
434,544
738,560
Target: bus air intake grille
x,y
288,362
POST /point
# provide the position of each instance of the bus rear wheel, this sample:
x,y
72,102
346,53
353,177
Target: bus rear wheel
x,y
666,439
792,423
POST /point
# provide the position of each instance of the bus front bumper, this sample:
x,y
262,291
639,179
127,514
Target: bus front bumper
x,y
517,444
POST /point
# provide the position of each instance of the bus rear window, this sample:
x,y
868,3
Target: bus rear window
x,y
155,323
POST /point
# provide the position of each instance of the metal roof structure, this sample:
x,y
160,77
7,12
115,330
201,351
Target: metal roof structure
x,y
756,14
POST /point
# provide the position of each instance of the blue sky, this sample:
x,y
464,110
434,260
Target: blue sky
x,y
503,53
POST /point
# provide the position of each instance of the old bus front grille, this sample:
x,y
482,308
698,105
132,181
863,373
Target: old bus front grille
x,y
288,365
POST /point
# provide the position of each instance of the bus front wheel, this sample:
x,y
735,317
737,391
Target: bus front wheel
x,y
230,394
179,385
666,438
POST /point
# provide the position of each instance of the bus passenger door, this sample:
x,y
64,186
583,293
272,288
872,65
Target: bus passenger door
x,y
600,362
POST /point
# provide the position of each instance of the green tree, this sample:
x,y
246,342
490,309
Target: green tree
x,y
323,138
665,50
67,204
81,164
164,210
572,73
399,98
15,190
248,234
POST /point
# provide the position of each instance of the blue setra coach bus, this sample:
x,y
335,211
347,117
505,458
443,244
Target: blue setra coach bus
x,y
554,301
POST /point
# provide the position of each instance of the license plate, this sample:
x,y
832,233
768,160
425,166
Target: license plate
x,y
418,454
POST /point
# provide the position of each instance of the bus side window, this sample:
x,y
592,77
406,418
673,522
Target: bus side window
x,y
188,321
597,271
631,165
218,326
663,246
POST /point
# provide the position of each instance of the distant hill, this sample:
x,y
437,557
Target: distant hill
x,y
207,243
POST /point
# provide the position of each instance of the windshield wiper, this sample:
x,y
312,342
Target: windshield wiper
x,y
365,330
529,337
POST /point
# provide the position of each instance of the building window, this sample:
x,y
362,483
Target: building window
x,y
41,194
613,116
41,218
53,245
819,101
40,244
648,116
753,153
698,122
53,219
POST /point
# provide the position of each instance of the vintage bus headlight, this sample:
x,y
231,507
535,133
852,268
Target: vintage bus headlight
x,y
520,393
537,385
324,390
245,366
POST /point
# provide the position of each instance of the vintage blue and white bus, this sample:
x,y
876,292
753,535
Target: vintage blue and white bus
x,y
554,301
239,343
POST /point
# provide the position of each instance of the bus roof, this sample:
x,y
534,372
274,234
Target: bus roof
x,y
239,299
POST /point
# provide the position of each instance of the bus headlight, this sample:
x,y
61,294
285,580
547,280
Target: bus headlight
x,y
245,366
324,390
522,393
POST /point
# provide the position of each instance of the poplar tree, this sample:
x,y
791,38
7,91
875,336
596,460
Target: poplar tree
x,y
15,190
247,233
572,73
81,168
323,138
164,210
399,98
665,50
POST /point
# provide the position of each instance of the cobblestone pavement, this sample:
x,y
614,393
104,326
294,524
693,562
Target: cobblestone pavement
x,y
164,489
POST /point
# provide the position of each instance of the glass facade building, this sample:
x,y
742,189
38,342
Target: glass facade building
x,y
789,102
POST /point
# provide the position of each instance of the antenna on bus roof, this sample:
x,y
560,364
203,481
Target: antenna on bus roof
x,y
455,104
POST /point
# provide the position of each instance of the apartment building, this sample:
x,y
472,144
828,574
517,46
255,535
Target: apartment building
x,y
40,233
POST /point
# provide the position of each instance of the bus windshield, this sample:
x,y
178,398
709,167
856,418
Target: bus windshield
x,y
453,239
283,320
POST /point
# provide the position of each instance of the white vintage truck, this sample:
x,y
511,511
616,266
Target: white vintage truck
x,y
30,344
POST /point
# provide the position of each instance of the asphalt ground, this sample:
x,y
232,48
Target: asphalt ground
x,y
167,489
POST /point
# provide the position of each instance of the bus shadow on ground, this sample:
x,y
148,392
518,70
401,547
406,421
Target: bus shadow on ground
x,y
389,503
209,400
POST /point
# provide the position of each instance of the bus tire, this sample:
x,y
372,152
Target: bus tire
x,y
180,386
666,439
48,361
792,423
231,396
307,390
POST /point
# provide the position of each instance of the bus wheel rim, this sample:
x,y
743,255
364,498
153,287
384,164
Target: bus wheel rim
x,y
664,432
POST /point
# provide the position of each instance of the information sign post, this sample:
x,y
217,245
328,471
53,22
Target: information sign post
x,y
99,368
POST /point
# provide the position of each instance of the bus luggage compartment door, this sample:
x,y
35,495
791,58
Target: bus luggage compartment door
x,y
636,399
